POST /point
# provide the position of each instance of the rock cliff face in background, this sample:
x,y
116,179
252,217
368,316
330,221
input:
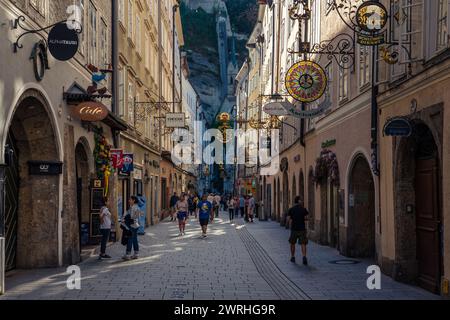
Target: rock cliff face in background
x,y
216,32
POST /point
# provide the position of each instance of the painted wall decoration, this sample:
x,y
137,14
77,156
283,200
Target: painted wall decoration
x,y
306,81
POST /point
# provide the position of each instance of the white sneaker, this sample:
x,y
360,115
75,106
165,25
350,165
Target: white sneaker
x,y
180,234
126,257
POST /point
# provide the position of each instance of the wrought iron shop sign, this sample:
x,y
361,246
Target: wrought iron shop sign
x,y
277,108
398,127
306,81
371,17
44,168
175,120
63,42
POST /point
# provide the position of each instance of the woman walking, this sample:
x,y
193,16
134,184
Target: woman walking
x,y
105,228
182,214
132,222
231,204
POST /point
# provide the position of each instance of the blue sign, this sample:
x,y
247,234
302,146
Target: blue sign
x,y
398,127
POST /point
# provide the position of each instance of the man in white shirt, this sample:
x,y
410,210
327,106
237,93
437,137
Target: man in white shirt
x,y
105,228
251,208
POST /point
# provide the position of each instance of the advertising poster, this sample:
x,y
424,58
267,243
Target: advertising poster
x,y
128,164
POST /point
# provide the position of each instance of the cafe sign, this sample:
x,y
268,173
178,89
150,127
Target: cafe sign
x,y
90,111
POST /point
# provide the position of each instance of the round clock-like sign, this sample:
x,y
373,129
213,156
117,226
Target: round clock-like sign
x,y
63,42
306,81
372,16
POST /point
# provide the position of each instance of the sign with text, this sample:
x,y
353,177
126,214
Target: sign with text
x,y
398,127
63,42
175,120
370,40
90,111
45,168
277,108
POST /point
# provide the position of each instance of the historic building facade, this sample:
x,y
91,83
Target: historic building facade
x,y
49,163
370,195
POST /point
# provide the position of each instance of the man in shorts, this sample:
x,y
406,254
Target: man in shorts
x,y
297,218
204,213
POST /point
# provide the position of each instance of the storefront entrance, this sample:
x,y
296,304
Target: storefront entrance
x,y
83,194
418,209
361,212
32,186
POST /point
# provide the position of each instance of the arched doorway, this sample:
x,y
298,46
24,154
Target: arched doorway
x,y
294,190
32,199
361,210
279,201
301,185
311,200
418,213
83,194
285,198
275,200
264,199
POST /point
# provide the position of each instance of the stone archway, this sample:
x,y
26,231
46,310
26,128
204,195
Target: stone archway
x,y
82,189
301,185
294,190
311,200
361,210
36,231
418,213
278,203
285,198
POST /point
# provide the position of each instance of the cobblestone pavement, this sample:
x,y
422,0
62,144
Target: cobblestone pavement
x,y
236,262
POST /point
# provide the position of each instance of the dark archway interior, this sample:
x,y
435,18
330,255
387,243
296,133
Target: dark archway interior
x,y
361,214
82,187
37,219
286,195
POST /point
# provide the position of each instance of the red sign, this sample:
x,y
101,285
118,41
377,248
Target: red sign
x,y
90,111
117,158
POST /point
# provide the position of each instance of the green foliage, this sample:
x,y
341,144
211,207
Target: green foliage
x,y
199,29
243,14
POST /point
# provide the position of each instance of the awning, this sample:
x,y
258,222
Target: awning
x,y
115,122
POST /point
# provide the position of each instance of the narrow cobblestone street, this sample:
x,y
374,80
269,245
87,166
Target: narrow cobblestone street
x,y
236,262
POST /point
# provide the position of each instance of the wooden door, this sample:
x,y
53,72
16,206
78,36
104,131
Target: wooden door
x,y
428,224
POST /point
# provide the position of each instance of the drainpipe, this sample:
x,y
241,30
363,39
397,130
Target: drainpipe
x,y
160,98
273,48
115,66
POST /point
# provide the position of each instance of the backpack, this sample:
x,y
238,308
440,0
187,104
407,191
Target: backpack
x,y
102,217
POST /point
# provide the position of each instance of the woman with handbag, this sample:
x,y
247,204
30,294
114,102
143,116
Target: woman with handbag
x,y
132,223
